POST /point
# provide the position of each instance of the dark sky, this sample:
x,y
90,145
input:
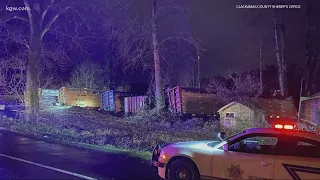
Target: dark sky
x,y
234,42
230,39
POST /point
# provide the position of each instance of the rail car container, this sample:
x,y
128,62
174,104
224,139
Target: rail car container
x,y
193,102
133,105
113,101
81,97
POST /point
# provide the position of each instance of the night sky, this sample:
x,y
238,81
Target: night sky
x,y
230,39
235,42
231,42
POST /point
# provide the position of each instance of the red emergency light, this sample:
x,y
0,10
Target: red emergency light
x,y
286,126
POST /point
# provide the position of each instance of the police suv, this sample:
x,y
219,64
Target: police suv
x,y
279,153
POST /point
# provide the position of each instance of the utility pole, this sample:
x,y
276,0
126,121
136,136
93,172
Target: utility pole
x,y
198,72
260,64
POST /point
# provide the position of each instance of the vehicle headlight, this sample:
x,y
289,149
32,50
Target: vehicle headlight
x,y
162,155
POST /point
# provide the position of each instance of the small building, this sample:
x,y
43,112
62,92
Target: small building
x,y
79,97
256,113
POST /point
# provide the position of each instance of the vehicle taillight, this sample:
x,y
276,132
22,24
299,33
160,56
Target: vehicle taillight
x,y
278,126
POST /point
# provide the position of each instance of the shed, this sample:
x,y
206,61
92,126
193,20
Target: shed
x,y
113,101
237,114
79,97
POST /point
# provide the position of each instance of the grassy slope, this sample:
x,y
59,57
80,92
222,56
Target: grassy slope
x,y
91,129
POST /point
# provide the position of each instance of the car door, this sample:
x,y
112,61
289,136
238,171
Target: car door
x,y
254,160
297,158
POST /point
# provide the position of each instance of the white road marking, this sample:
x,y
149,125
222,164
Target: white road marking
x,y
49,167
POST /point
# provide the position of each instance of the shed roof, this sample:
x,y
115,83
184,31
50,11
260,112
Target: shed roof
x,y
227,105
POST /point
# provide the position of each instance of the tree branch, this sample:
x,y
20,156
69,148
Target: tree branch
x,y
47,9
17,17
189,40
47,27
28,10
168,14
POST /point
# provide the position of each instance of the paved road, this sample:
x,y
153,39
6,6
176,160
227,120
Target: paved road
x,y
26,158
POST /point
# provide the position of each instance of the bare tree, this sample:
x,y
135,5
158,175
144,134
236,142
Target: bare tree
x,y
141,40
87,75
312,60
198,71
242,89
188,76
13,72
260,64
42,18
280,56
257,19
12,76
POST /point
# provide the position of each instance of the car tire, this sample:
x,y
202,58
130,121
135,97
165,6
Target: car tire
x,y
182,169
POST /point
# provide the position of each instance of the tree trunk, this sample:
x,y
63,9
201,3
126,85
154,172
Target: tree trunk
x,y
32,87
279,61
260,64
307,72
283,58
156,56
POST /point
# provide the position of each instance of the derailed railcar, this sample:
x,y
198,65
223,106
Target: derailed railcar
x,y
192,102
134,104
310,112
81,97
113,101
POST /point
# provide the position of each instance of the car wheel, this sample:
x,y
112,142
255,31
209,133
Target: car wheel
x,y
182,169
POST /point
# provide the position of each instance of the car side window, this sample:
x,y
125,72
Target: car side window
x,y
298,146
255,145
302,143
308,148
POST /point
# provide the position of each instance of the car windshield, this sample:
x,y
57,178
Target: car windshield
x,y
217,144
231,137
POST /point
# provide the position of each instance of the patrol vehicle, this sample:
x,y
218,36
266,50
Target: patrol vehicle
x,y
282,152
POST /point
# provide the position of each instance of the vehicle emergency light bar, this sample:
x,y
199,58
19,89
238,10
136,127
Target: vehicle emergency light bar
x,y
287,126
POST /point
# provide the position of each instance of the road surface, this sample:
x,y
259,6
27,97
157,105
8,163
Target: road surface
x,y
22,157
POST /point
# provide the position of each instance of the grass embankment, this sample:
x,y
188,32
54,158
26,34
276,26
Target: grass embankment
x,y
63,136
133,136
